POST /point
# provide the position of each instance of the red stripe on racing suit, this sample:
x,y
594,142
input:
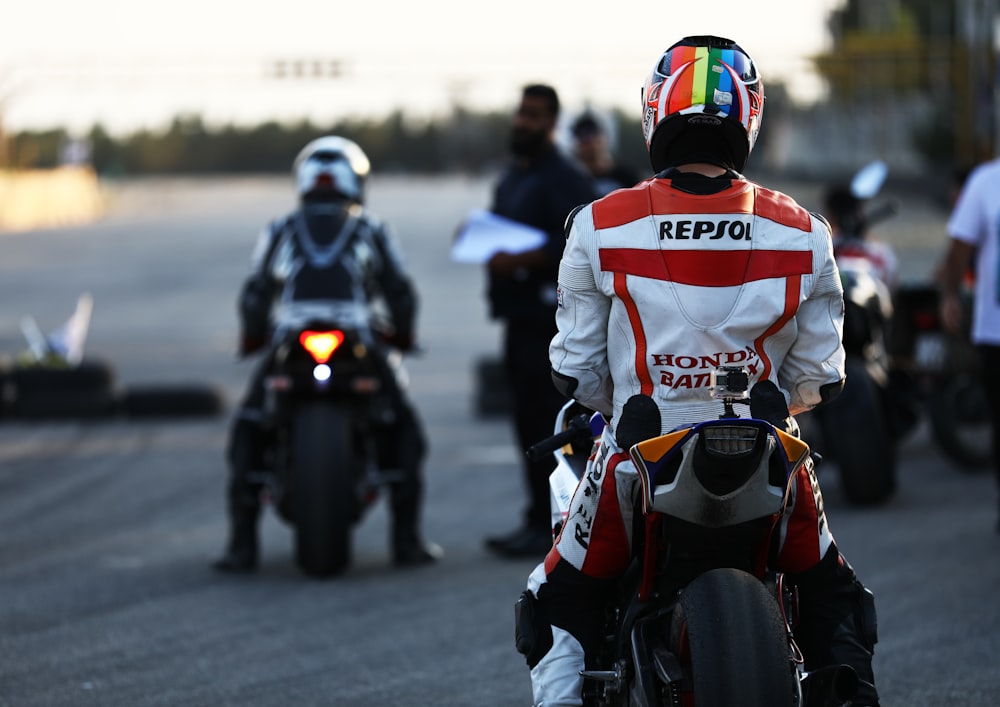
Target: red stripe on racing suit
x,y
642,372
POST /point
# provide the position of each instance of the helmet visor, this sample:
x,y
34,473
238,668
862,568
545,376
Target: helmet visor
x,y
704,76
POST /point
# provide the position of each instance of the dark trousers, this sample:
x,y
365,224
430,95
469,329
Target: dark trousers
x,y
990,377
536,403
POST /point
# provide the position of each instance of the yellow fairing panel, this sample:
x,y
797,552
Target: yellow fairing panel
x,y
652,450
795,448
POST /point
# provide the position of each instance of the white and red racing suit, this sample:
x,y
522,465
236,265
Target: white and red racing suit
x,y
658,286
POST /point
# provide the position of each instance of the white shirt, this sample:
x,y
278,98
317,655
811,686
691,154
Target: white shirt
x,y
976,220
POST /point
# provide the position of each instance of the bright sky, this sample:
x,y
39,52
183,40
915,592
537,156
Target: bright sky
x,y
130,63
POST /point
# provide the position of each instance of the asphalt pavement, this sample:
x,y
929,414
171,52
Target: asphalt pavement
x,y
107,528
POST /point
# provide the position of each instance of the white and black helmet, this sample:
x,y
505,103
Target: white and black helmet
x,y
331,166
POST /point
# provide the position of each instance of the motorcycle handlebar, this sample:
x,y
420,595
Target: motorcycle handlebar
x,y
882,212
578,428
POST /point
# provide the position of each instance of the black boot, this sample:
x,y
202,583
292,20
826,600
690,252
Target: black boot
x,y
244,452
837,624
408,549
405,451
415,553
242,548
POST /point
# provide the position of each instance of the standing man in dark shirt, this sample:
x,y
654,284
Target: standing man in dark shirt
x,y
539,188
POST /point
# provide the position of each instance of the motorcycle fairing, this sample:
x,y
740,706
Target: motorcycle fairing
x,y
571,463
676,475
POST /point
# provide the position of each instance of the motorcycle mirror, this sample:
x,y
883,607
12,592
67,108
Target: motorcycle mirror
x,y
869,179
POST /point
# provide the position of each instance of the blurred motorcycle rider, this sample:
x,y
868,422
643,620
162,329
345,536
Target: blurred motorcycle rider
x,y
852,237
656,282
332,248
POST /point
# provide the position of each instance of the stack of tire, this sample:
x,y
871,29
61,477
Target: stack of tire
x,y
88,390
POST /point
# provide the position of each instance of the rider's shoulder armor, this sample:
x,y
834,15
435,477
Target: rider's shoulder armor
x,y
822,220
570,217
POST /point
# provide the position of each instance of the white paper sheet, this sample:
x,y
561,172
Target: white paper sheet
x,y
484,234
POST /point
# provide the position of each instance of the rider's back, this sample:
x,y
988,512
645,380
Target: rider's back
x,y
702,280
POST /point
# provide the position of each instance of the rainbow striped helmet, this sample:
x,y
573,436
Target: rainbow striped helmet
x,y
702,81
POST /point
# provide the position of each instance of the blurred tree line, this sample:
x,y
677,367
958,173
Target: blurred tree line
x,y
943,50
925,68
462,141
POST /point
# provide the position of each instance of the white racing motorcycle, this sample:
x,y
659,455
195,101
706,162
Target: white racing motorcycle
x,y
696,621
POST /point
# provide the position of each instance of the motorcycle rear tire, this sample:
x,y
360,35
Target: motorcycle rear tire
x,y
857,436
324,465
960,422
729,635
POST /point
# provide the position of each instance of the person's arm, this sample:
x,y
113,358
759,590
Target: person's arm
x,y
579,351
504,263
965,227
956,261
397,288
565,191
257,293
813,369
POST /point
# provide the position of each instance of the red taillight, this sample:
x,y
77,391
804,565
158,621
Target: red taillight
x,y
321,344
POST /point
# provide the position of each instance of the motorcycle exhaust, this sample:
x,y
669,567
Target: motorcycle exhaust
x,y
829,687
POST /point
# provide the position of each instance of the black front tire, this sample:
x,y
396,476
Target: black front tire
x,y
324,465
960,421
730,637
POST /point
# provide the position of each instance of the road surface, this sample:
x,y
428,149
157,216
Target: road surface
x,y
107,528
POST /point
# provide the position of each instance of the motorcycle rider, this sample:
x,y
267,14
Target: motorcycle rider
x,y
655,282
853,244
330,250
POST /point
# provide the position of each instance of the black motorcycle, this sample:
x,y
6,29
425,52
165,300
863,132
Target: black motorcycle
x,y
322,409
902,368
860,429
938,377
